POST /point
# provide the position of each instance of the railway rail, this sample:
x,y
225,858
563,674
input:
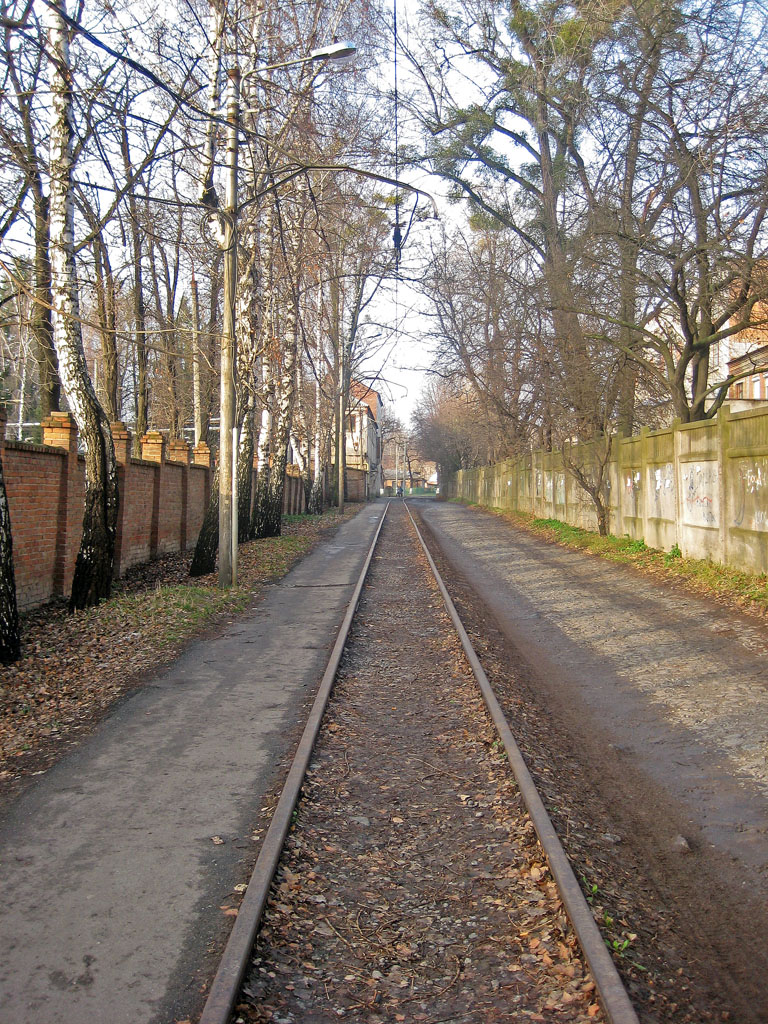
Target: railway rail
x,y
612,1003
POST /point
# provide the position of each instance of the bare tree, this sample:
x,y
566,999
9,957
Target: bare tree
x,y
93,569
10,640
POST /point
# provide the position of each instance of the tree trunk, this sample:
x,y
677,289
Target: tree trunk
x,y
264,450
107,312
42,329
93,568
10,641
204,558
270,493
197,394
245,474
139,308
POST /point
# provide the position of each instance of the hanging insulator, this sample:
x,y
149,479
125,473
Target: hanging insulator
x,y
397,238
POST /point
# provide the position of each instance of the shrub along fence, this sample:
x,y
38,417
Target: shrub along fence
x,y
702,486
163,497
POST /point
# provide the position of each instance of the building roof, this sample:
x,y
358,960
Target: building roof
x,y
366,396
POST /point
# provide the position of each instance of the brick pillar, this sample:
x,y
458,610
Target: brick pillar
x,y
201,454
179,452
122,440
60,431
153,450
3,421
153,447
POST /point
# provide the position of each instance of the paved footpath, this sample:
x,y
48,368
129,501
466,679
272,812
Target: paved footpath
x,y
111,887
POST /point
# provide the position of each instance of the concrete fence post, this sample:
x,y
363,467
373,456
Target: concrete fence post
x,y
645,490
724,464
677,440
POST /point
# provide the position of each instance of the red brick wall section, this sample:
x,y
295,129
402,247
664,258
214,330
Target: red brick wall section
x,y
136,507
172,509
198,491
162,504
33,477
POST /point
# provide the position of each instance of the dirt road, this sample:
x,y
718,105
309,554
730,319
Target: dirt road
x,y
643,711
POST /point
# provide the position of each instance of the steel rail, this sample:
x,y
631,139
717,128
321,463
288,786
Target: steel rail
x,y
610,988
226,983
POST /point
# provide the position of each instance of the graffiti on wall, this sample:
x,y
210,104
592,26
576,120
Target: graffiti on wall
x,y
661,481
750,505
632,490
701,493
560,489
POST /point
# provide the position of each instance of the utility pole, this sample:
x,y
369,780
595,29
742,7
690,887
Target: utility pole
x,y
227,425
345,360
342,439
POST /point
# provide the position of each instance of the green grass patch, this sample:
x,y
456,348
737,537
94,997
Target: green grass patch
x,y
733,586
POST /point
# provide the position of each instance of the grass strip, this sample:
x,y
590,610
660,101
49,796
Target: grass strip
x,y
743,590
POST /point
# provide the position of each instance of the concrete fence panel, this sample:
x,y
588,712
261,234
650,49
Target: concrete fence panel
x,y
702,486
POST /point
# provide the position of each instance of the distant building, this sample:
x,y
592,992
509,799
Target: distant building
x,y
746,353
753,387
363,445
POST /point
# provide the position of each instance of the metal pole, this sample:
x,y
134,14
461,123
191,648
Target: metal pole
x,y
227,427
235,510
341,453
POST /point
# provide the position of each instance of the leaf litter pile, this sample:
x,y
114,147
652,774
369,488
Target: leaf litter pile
x,y
412,886
74,667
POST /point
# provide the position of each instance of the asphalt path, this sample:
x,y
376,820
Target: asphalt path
x,y
115,864
672,684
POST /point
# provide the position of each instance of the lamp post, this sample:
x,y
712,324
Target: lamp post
x,y
228,441
339,53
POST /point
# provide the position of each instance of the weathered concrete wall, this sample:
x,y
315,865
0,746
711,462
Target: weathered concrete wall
x,y
702,486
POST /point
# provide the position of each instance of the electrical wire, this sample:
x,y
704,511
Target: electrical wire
x,y
397,236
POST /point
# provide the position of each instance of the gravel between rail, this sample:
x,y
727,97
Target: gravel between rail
x,y
412,887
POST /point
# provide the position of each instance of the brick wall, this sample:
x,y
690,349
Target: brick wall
x,y
33,482
163,498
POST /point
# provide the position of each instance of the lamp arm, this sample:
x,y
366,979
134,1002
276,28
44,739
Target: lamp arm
x,y
340,167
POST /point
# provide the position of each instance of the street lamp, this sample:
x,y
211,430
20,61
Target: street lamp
x,y
228,433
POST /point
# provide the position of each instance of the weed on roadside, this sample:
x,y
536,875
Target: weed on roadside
x,y
743,590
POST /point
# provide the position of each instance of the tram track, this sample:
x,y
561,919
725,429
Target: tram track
x,y
377,926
